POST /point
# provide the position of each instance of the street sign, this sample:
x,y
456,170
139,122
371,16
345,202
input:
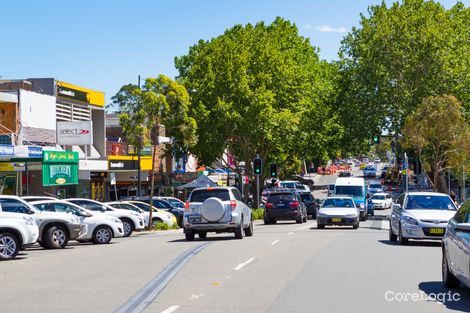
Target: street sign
x,y
112,178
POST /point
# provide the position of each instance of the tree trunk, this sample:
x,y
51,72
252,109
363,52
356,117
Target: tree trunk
x,y
152,174
435,180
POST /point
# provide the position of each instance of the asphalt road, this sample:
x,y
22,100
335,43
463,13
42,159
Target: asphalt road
x,y
285,267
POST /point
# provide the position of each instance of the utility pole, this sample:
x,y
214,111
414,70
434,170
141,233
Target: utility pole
x,y
406,169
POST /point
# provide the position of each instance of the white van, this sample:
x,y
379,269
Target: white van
x,y
356,188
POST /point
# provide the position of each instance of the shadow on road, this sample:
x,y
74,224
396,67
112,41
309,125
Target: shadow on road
x,y
411,243
205,239
454,299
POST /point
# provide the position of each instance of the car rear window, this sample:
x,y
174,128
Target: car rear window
x,y
278,197
375,186
203,195
306,197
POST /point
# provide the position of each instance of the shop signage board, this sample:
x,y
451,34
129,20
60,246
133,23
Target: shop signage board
x,y
59,168
7,150
75,133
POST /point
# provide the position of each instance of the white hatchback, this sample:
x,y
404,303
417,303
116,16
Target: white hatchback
x,y
97,227
157,215
381,200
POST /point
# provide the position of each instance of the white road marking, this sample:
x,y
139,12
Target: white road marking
x,y
290,233
172,308
274,242
241,265
385,225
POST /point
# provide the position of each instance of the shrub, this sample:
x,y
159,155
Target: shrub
x,y
257,214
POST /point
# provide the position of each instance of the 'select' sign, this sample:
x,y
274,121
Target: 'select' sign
x,y
75,133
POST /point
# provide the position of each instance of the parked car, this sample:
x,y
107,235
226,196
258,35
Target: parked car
x,y
374,187
456,249
16,233
285,205
216,209
163,205
309,202
381,201
55,229
131,220
158,216
338,210
293,184
37,198
99,228
420,215
174,201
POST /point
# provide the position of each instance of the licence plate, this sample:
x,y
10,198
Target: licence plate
x,y
336,220
195,219
436,231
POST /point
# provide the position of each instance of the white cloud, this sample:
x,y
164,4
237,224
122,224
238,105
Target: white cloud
x,y
329,29
308,26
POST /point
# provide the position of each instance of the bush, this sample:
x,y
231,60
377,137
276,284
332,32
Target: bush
x,y
164,226
257,214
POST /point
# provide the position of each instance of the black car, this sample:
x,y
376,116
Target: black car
x,y
284,205
309,202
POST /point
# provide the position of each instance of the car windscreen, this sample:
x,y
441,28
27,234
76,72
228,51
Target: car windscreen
x,y
288,185
369,169
281,197
176,203
306,197
338,203
203,195
422,202
377,197
355,191
142,206
375,186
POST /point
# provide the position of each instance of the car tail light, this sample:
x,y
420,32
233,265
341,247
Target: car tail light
x,y
269,205
233,204
294,204
186,206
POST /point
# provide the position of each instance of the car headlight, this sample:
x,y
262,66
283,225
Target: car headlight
x,y
28,220
322,215
117,221
74,220
409,220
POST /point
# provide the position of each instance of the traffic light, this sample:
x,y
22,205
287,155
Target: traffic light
x,y
376,139
273,170
257,166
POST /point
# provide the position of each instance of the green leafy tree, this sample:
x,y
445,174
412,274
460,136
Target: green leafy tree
x,y
260,89
437,131
160,102
396,57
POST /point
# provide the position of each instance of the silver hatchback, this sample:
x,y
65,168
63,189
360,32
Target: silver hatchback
x,y
218,209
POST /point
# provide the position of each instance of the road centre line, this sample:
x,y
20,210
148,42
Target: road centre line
x,y
241,265
290,233
274,242
171,309
145,296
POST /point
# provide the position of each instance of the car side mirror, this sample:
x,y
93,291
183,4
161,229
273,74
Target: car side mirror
x,y
463,227
30,212
397,206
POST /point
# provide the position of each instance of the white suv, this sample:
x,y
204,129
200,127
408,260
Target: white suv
x,y
16,233
97,227
131,220
218,209
55,229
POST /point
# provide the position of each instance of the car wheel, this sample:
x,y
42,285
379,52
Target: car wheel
x,y
128,227
372,214
102,235
267,221
320,226
299,220
448,279
56,237
202,235
273,221
9,246
305,219
239,231
249,230
189,234
401,240
356,226
391,236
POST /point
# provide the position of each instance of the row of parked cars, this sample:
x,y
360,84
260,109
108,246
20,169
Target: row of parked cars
x,y
52,222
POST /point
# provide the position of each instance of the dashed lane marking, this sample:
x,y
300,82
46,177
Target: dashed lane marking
x,y
274,242
242,265
171,309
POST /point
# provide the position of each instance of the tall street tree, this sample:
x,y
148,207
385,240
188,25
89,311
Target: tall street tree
x,y
260,89
160,102
396,57
437,131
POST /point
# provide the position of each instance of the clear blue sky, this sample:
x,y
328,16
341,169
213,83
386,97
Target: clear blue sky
x,y
104,44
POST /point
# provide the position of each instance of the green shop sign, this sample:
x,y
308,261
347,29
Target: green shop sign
x,y
59,168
